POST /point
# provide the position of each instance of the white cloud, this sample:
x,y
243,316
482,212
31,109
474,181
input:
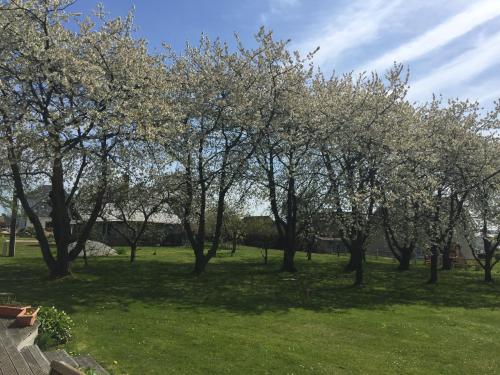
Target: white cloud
x,y
466,66
277,7
485,92
456,26
357,25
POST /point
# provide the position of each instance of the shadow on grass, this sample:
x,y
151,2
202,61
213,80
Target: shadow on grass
x,y
240,284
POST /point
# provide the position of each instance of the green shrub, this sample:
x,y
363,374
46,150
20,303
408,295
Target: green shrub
x,y
55,325
121,250
45,341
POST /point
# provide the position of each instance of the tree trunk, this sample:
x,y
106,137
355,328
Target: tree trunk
x,y
310,245
288,260
30,213
60,219
357,263
350,266
289,249
200,261
233,250
434,266
265,256
404,260
13,226
61,270
133,250
85,260
447,264
290,229
487,269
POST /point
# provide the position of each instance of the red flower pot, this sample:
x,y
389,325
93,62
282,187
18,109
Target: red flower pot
x,y
27,318
11,311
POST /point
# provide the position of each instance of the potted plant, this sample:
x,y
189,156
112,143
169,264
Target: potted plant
x,y
12,310
27,317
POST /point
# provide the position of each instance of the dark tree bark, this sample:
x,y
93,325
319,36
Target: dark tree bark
x,y
309,250
447,262
357,262
490,246
357,250
435,235
404,261
48,258
434,265
59,266
456,203
264,255
446,251
133,250
351,264
13,225
234,243
401,248
203,183
286,228
288,260
487,269
200,262
60,218
401,253
85,258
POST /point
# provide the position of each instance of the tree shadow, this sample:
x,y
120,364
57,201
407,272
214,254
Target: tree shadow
x,y
241,284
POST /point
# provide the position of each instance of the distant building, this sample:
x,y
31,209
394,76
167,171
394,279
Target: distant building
x,y
163,229
3,221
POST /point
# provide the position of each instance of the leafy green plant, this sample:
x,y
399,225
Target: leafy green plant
x,y
90,371
120,250
55,325
45,341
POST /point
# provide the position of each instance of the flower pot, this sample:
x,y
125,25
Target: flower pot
x,y
27,318
11,311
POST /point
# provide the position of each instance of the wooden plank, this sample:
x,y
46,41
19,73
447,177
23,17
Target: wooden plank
x,y
42,361
61,356
6,364
16,358
32,362
63,369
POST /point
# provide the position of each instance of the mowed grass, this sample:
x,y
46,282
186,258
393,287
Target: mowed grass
x,y
244,317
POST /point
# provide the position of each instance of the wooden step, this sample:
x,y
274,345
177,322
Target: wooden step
x,y
61,356
86,362
11,360
37,361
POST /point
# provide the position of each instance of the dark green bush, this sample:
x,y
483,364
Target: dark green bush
x,y
120,250
55,326
45,341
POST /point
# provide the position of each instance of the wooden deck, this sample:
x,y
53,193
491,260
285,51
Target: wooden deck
x,y
12,361
19,355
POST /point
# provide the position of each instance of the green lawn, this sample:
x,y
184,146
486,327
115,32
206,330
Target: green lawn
x,y
241,317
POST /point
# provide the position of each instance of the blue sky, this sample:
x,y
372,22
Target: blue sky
x,y
452,47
